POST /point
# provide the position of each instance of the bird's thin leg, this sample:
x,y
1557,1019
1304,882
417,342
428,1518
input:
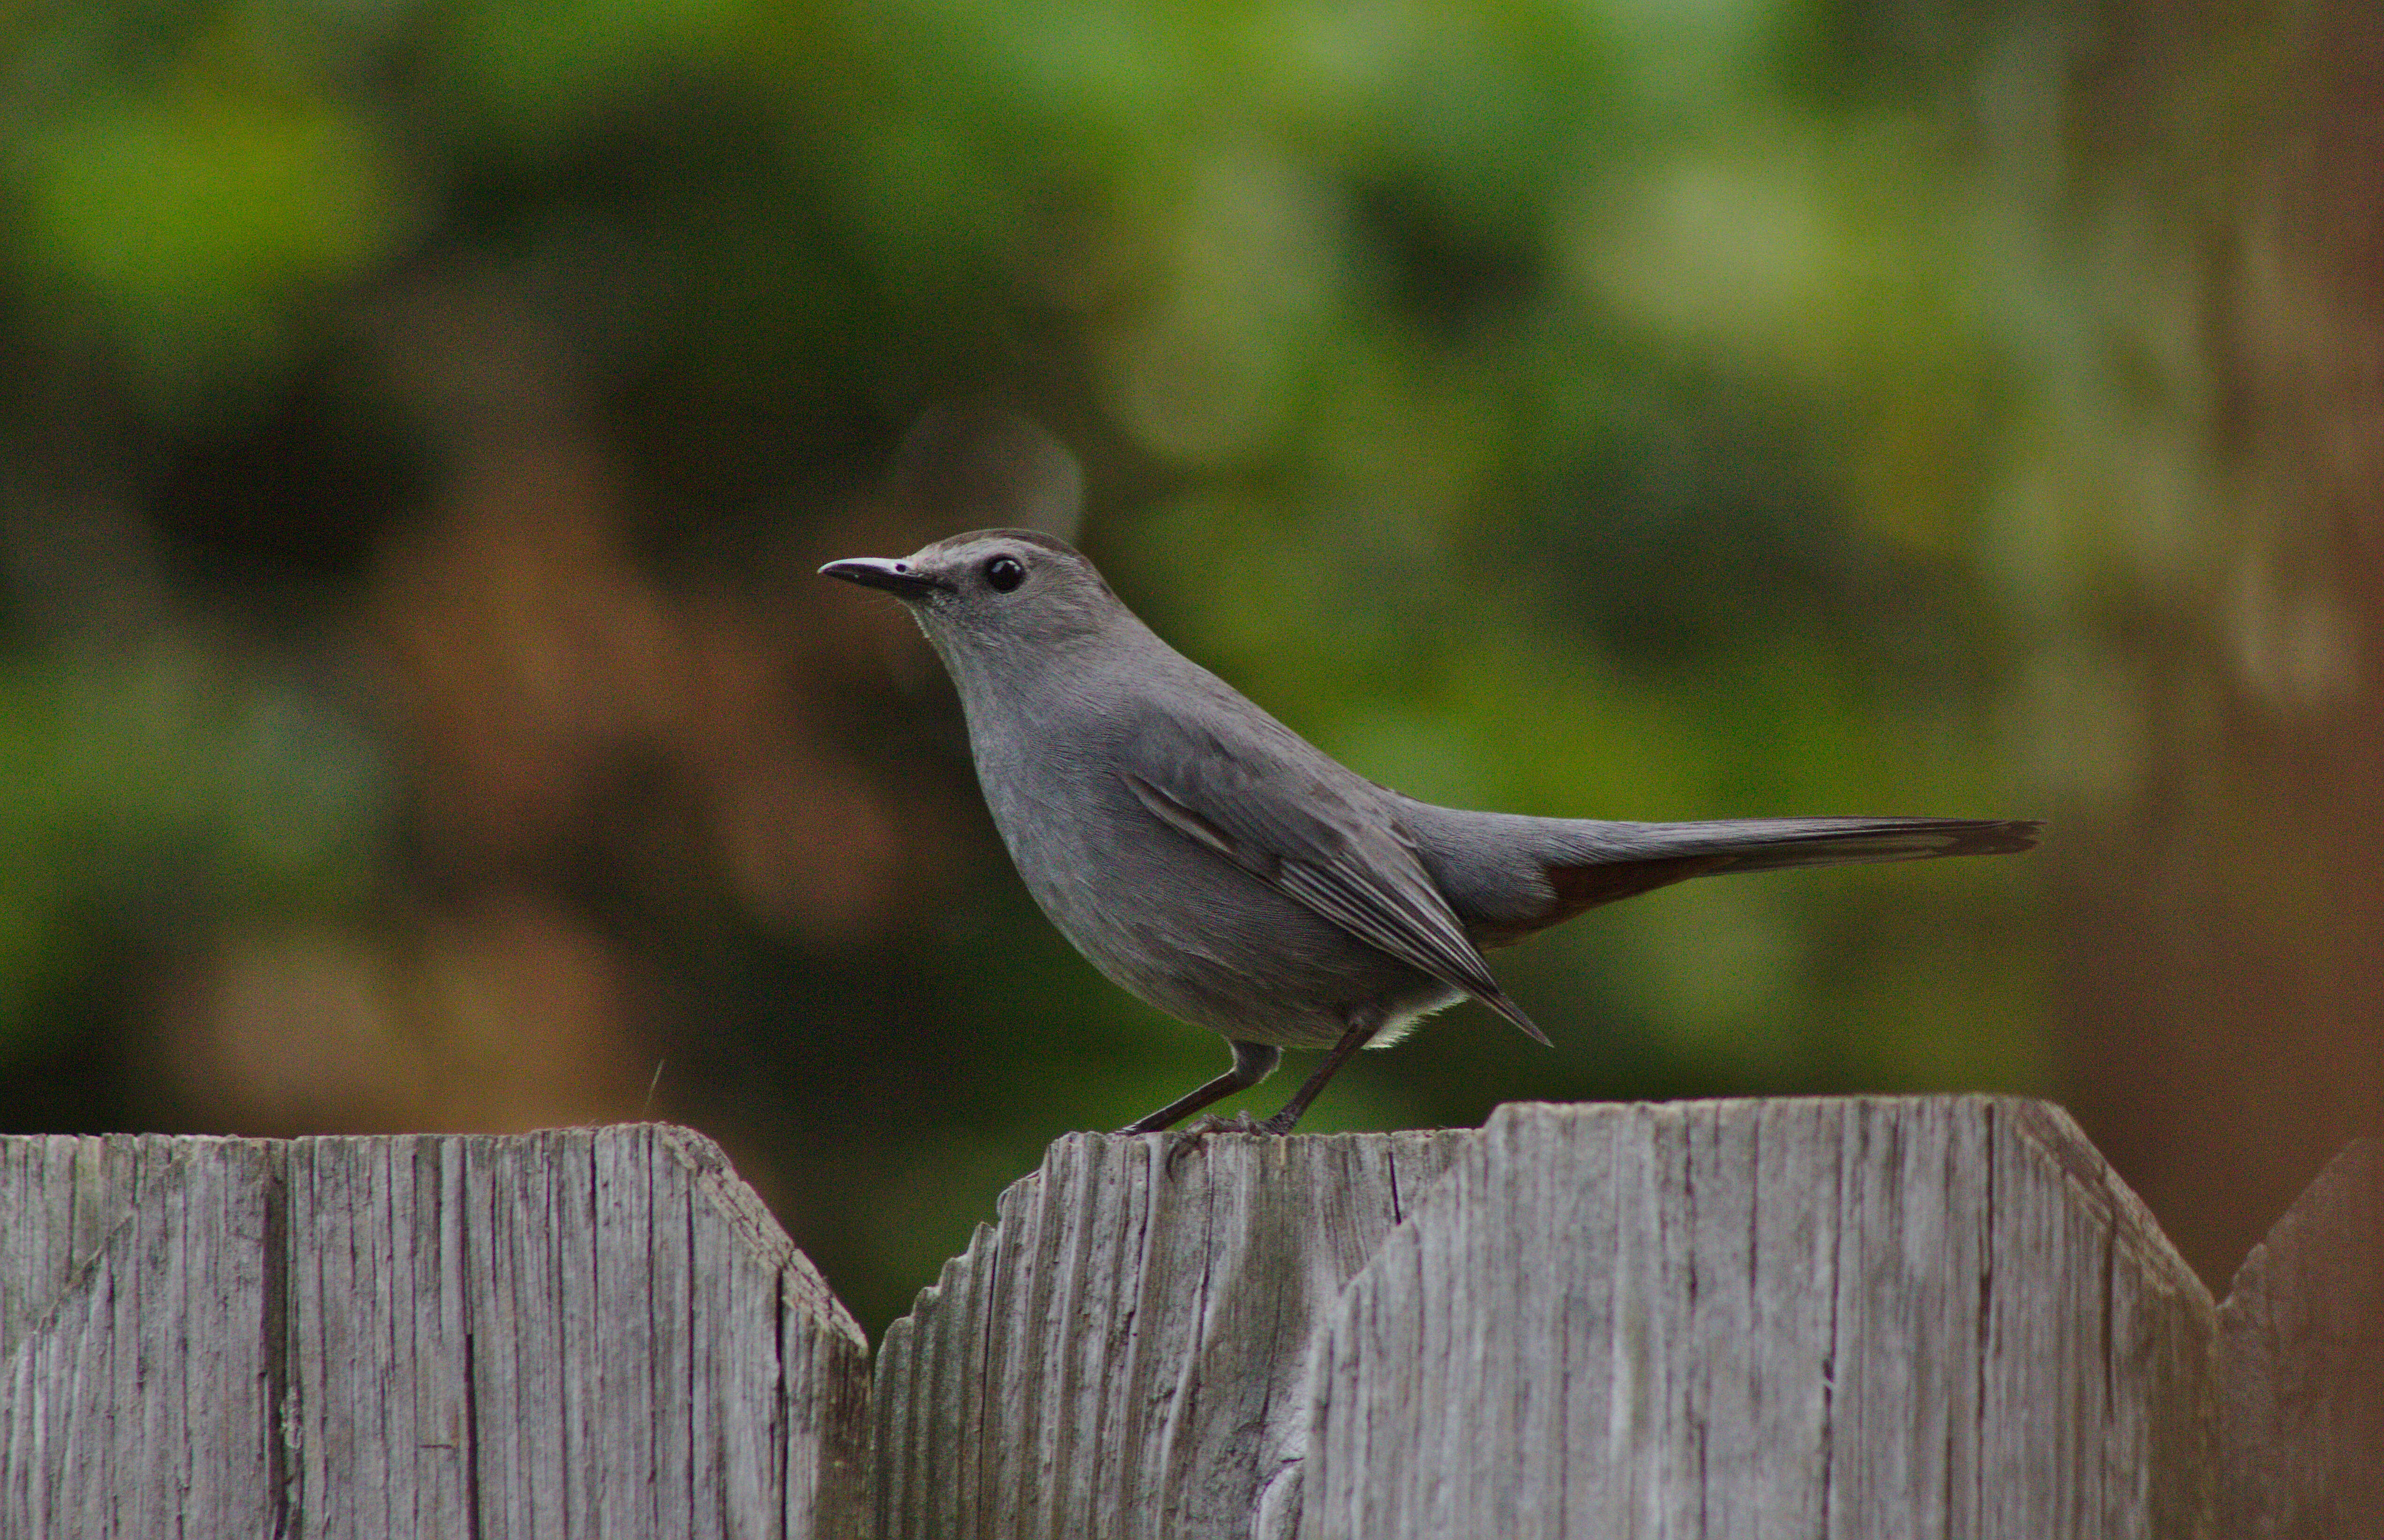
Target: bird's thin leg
x,y
1359,1032
1252,1064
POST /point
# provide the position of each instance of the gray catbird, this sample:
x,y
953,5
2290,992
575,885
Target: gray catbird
x,y
1215,864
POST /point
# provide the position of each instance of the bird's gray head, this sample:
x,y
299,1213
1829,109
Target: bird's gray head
x,y
992,592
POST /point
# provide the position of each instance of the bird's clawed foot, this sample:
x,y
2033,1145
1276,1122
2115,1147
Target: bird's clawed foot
x,y
1195,1134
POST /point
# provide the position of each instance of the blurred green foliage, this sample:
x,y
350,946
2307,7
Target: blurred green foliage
x,y
1602,409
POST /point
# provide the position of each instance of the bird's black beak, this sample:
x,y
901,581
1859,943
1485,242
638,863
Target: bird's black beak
x,y
882,572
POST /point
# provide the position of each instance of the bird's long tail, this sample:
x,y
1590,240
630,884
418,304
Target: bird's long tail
x,y
1767,844
1623,859
1509,877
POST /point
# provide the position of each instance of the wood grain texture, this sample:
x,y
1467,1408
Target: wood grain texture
x,y
1829,1318
137,1382
2301,1366
589,1332
1121,1355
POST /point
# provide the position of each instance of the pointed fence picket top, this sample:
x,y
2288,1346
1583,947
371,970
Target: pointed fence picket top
x,y
1121,1354
2301,1366
1826,1317
590,1332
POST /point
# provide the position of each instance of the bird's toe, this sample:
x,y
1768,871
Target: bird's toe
x,y
1195,1134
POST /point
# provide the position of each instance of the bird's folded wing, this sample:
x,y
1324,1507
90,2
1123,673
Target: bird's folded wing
x,y
1348,863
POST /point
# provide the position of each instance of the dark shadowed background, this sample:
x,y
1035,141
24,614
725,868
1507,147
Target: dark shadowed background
x,y
421,422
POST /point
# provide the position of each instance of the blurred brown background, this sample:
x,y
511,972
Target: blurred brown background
x,y
421,424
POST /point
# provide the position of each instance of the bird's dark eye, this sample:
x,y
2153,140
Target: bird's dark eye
x,y
1004,573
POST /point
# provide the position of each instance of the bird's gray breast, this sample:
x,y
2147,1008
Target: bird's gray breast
x,y
1171,921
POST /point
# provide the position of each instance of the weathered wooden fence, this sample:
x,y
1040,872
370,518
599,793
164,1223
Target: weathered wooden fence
x,y
1825,1318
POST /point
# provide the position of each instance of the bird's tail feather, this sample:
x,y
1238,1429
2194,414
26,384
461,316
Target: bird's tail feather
x,y
1767,844
1588,864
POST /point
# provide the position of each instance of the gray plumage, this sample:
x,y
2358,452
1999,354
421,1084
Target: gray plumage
x,y
1218,865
